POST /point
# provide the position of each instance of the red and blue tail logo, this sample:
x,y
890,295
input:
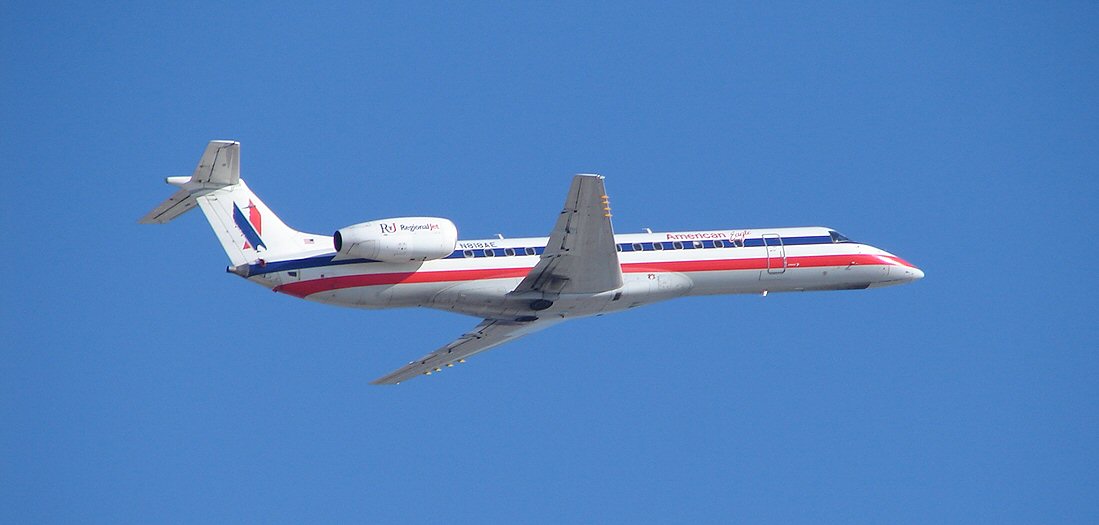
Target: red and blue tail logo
x,y
251,226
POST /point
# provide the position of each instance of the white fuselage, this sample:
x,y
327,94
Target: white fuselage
x,y
477,277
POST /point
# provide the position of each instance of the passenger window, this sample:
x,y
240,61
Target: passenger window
x,y
490,253
637,247
531,251
467,253
677,245
509,252
658,246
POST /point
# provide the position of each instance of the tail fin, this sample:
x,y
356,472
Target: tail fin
x,y
247,228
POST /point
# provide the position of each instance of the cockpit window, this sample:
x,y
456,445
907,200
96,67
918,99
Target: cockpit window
x,y
838,237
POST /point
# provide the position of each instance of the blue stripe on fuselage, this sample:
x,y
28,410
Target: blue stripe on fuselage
x,y
326,260
301,264
791,241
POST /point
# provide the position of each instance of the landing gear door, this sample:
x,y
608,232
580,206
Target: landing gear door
x,y
776,253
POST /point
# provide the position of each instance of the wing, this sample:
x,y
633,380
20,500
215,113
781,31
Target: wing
x,y
580,256
490,333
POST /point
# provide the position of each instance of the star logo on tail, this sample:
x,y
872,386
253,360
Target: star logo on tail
x,y
251,226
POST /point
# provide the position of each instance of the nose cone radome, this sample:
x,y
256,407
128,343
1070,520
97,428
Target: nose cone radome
x,y
911,273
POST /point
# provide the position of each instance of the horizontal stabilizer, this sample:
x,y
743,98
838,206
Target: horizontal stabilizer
x,y
180,202
219,167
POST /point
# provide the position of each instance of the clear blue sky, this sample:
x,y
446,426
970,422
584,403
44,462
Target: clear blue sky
x,y
140,383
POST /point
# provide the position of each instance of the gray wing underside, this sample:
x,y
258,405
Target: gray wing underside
x,y
488,334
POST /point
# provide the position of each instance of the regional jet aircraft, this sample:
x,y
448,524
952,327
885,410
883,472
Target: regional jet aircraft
x,y
517,286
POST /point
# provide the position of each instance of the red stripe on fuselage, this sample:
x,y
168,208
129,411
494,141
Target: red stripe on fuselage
x,y
307,288
898,261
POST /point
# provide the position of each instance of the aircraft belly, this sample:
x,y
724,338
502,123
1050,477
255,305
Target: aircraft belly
x,y
792,279
380,296
488,298
364,297
411,294
640,288
725,282
853,277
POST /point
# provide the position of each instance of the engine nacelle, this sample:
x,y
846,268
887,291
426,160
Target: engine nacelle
x,y
399,240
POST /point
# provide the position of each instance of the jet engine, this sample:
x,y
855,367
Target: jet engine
x,y
399,240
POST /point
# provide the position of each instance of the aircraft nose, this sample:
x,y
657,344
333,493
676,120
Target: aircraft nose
x,y
912,273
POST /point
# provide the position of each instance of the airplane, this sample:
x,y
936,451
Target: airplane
x,y
517,286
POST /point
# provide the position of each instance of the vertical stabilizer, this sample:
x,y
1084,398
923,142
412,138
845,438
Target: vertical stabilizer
x,y
247,229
